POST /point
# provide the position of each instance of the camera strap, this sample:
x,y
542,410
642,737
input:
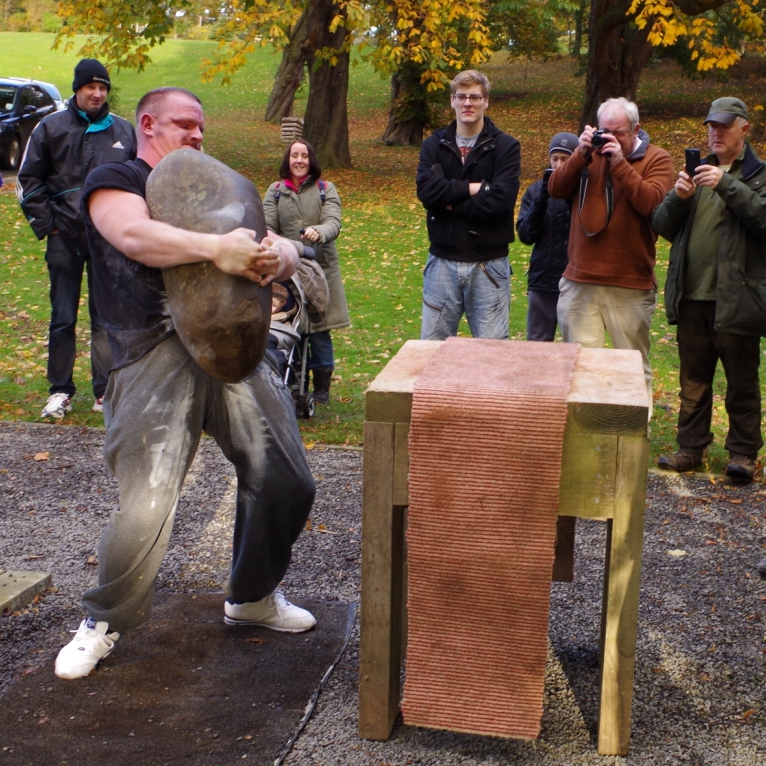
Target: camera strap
x,y
608,191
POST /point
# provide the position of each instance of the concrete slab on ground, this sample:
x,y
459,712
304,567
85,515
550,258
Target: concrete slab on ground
x,y
18,588
182,689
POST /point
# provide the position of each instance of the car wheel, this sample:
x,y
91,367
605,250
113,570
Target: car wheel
x,y
13,158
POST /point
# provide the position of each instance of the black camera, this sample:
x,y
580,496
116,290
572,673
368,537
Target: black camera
x,y
597,140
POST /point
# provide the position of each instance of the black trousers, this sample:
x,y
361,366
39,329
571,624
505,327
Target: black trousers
x,y
700,347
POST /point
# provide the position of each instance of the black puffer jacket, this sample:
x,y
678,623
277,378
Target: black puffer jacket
x,y
477,228
740,304
544,223
60,154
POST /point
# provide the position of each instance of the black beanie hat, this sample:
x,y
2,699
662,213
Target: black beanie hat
x,y
563,142
88,71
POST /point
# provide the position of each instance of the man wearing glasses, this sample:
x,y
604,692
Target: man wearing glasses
x,y
467,180
617,178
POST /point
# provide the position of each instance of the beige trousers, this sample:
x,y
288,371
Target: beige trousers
x,y
586,312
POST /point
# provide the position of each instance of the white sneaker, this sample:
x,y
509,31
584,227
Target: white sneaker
x,y
274,612
98,404
90,644
58,405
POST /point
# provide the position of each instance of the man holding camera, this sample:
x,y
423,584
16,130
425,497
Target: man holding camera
x,y
716,289
617,178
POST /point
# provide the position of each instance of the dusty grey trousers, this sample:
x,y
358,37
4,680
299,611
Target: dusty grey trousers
x,y
155,412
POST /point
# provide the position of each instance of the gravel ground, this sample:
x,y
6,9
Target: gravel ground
x,y
701,654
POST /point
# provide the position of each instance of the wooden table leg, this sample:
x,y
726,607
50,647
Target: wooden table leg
x,y
381,612
622,578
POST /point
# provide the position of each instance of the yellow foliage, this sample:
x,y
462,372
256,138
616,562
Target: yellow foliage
x,y
667,23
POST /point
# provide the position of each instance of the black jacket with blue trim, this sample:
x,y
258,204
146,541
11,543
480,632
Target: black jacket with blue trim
x,y
479,227
62,150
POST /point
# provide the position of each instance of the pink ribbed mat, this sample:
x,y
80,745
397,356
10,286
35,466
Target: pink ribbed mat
x,y
486,436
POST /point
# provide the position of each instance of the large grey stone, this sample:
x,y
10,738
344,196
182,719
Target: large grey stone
x,y
222,320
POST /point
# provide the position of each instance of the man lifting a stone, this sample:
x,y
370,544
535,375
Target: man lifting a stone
x,y
159,400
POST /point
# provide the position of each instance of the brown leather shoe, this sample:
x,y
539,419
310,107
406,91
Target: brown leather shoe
x,y
683,460
740,467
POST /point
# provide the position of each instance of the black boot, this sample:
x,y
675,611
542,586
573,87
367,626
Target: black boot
x,y
322,379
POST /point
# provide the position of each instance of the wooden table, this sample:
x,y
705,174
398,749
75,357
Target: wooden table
x,y
603,477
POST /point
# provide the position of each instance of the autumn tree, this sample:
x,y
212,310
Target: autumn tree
x,y
426,44
422,45
623,34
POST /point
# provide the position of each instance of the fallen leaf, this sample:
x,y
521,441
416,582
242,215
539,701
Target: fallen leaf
x,y
676,552
735,502
92,560
28,671
42,456
42,720
711,542
255,640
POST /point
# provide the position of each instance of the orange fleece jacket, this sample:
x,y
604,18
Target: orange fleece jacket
x,y
622,254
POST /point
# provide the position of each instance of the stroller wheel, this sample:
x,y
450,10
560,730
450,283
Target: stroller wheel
x,y
304,406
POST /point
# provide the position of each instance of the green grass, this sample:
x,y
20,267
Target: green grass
x,y
383,244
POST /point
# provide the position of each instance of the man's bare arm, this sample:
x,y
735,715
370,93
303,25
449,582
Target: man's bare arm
x,y
123,220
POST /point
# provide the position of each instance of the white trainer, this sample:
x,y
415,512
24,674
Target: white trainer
x,y
91,643
57,406
274,612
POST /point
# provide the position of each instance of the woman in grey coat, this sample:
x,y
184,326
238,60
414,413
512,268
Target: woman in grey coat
x,y
305,207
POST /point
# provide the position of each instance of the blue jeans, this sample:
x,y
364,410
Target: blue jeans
x,y
320,351
65,268
481,291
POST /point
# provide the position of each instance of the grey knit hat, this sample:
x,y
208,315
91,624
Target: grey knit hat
x,y
563,142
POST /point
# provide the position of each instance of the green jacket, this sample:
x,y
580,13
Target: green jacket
x,y
740,306
291,212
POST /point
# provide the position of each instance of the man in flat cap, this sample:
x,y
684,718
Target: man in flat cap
x,y
716,289
63,148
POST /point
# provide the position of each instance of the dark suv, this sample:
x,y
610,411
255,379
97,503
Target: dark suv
x,y
22,106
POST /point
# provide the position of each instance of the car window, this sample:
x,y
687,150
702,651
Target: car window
x,y
36,97
43,98
7,97
28,98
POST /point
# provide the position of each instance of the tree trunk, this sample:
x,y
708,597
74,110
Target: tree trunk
x,y
409,112
618,51
579,19
617,54
326,119
290,73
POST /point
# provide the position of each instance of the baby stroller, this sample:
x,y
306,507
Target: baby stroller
x,y
295,302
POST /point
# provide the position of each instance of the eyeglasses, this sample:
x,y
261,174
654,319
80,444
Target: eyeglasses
x,y
616,133
474,98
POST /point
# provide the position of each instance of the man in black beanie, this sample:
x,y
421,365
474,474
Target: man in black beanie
x,y
63,148
544,223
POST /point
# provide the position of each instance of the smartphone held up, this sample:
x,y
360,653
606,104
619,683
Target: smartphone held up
x,y
693,161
